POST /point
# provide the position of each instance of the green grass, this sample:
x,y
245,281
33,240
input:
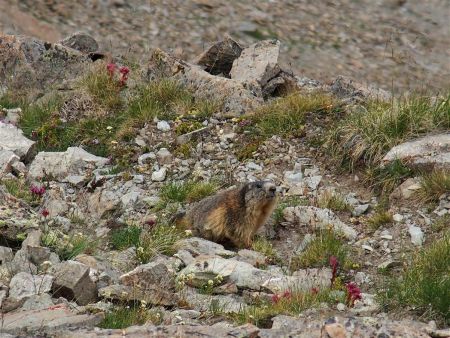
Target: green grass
x,y
433,185
122,317
286,116
20,189
379,218
319,251
441,224
297,302
126,237
333,201
385,179
364,137
68,247
161,239
188,191
263,246
424,286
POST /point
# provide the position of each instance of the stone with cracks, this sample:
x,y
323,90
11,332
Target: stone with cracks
x,y
425,153
318,218
152,295
59,165
7,159
257,65
199,246
24,285
13,140
47,321
236,99
218,58
72,282
300,281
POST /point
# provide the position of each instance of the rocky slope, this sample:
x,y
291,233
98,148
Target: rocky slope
x,y
66,263
395,44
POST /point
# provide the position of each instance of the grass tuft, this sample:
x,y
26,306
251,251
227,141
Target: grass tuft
x,y
124,316
188,191
68,247
433,185
333,201
424,286
380,218
364,137
161,239
263,246
19,189
319,251
386,179
126,237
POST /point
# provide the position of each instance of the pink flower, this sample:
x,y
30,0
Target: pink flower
x,y
150,222
39,191
124,71
275,298
287,294
314,291
353,293
111,67
45,212
334,263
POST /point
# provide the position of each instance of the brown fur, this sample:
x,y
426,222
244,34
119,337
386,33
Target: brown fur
x,y
233,215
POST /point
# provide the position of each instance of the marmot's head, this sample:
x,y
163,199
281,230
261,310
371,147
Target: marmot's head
x,y
259,192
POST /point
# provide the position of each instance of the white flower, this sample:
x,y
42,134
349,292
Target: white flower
x,y
210,282
109,128
188,232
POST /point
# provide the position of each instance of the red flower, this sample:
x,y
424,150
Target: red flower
x,y
334,263
314,291
353,293
287,294
275,298
150,222
39,191
45,212
124,71
111,67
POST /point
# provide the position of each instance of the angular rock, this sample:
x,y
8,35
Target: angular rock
x,y
103,201
59,165
257,64
202,303
318,218
37,302
24,285
164,156
345,88
13,140
7,159
6,255
425,153
406,190
80,41
300,281
47,320
72,282
235,97
218,58
159,175
206,268
29,67
163,126
254,258
417,235
157,273
153,295
199,246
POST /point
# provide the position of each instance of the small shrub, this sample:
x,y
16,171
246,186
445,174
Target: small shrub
x,y
433,185
161,239
424,286
379,218
124,316
364,137
333,201
126,237
319,251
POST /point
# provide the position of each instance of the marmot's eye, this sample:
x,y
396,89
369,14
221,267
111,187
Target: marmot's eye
x,y
259,185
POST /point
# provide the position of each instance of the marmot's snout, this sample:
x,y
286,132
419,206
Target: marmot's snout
x,y
271,190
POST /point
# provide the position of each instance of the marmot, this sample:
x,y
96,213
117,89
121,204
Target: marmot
x,y
232,215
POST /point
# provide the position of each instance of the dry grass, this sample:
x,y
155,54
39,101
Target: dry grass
x,y
433,185
333,201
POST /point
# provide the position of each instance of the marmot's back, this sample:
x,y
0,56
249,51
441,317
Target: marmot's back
x,y
234,214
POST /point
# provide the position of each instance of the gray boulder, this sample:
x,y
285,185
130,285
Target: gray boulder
x,y
13,140
59,165
424,153
24,285
72,282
